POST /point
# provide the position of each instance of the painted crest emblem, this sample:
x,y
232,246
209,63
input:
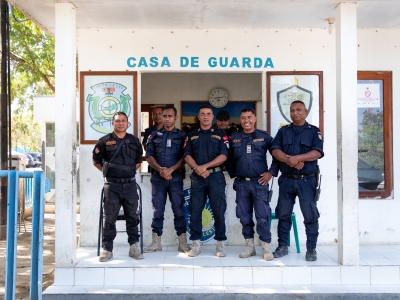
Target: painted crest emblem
x,y
208,229
107,99
293,93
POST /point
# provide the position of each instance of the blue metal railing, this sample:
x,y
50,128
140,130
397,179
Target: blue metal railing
x,y
28,192
39,188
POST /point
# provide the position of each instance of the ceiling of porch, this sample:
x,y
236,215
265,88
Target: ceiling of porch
x,y
172,14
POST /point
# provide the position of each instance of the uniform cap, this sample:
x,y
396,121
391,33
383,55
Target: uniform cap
x,y
223,114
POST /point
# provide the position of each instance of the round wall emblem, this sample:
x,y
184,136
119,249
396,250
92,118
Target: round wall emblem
x,y
107,99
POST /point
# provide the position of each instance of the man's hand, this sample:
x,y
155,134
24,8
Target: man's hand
x,y
200,170
299,166
292,161
205,174
265,178
166,173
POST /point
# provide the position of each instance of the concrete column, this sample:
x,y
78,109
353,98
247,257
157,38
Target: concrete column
x,y
347,137
65,134
264,102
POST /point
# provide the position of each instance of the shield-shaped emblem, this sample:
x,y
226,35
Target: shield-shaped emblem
x,y
293,93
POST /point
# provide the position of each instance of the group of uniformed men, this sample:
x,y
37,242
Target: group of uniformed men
x,y
208,151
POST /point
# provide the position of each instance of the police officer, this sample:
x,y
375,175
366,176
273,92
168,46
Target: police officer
x,y
118,155
156,115
223,120
206,150
248,162
297,146
165,155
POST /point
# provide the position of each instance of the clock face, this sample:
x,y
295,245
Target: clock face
x,y
218,97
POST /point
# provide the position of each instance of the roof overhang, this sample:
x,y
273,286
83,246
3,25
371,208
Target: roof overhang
x,y
200,14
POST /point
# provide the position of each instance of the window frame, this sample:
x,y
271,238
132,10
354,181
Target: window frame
x,y
386,77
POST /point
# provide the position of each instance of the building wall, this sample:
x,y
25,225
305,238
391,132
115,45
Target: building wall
x,y
289,50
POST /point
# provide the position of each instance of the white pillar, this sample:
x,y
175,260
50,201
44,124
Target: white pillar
x,y
347,137
65,134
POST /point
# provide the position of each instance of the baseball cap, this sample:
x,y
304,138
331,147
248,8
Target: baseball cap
x,y
223,114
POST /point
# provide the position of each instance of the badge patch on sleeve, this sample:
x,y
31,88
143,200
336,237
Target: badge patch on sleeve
x,y
319,135
96,150
109,143
226,141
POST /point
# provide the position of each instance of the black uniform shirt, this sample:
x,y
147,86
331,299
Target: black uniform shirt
x,y
129,155
248,154
166,146
295,140
205,145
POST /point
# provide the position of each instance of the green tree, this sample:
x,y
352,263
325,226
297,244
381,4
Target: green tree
x,y
25,132
32,73
32,61
370,139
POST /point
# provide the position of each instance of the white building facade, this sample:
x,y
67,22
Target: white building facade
x,y
179,50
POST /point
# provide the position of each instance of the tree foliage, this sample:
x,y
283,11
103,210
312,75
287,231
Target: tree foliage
x,y
370,139
32,73
25,132
32,61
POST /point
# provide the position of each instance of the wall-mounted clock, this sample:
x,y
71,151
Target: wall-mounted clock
x,y
218,97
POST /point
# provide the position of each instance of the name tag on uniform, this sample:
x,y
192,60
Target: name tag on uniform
x,y
248,149
169,143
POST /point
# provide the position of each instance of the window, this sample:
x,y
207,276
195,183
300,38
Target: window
x,y
374,102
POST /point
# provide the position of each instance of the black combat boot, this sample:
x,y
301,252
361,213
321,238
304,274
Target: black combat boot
x,y
281,251
311,254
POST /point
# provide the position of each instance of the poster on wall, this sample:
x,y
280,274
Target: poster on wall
x,y
285,87
368,95
102,94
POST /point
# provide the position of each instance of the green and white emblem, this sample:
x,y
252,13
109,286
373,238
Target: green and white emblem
x,y
107,99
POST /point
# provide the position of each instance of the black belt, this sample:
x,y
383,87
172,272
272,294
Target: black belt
x,y
214,170
119,180
294,176
248,178
126,168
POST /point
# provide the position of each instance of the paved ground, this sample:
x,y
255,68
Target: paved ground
x,y
23,257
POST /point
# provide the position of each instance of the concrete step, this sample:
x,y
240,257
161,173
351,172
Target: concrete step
x,y
165,272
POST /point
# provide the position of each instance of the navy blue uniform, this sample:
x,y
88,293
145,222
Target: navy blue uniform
x,y
204,146
247,161
167,149
147,133
119,185
295,140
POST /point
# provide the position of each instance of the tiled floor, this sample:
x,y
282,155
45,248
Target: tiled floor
x,y
327,256
168,271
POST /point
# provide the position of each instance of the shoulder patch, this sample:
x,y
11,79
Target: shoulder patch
x,y
319,135
216,136
258,140
194,137
109,143
96,150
